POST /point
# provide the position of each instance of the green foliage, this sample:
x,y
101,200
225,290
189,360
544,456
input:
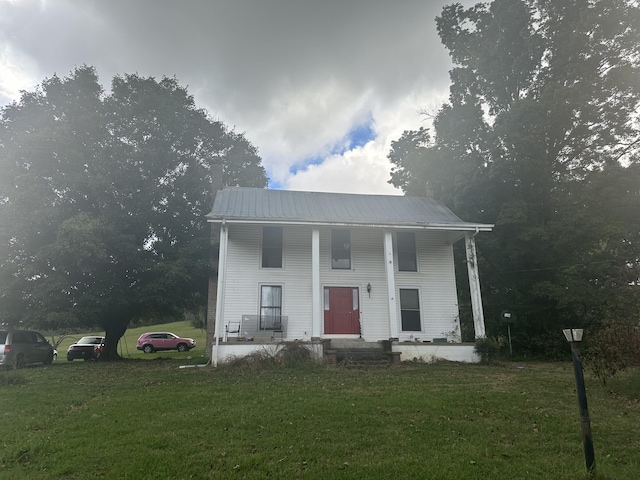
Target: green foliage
x,y
541,138
488,349
103,200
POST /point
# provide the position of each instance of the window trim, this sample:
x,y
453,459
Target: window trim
x,y
415,251
262,246
419,309
261,306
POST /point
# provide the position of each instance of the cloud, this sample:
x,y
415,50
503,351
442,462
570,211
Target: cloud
x,y
320,87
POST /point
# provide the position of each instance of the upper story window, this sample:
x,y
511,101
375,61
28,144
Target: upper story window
x,y
407,259
272,247
341,249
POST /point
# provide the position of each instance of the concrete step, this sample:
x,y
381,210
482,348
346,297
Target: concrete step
x,y
354,344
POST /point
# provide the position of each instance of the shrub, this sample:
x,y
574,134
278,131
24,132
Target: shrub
x,y
294,353
289,354
488,349
612,349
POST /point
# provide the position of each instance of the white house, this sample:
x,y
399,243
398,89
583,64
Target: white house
x,y
316,266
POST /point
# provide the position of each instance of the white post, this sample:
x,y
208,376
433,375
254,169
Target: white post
x,y
316,309
391,285
222,267
474,286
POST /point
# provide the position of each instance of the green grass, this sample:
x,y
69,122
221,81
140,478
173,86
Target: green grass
x,y
151,419
127,345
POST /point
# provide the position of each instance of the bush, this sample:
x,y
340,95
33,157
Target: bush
x,y
488,349
290,354
294,353
612,349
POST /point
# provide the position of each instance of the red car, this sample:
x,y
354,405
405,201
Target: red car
x,y
87,348
152,341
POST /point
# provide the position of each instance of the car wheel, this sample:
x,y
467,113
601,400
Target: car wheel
x,y
182,347
148,349
49,359
69,359
19,362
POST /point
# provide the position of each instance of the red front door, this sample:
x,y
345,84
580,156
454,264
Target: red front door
x,y
341,310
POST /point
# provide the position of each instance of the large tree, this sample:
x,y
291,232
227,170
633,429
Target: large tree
x,y
102,201
541,137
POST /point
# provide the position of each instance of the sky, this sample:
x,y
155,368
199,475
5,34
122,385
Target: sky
x,y
320,87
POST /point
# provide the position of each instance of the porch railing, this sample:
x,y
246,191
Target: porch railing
x,y
251,326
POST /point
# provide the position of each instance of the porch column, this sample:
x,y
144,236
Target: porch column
x,y
474,286
222,270
391,285
316,309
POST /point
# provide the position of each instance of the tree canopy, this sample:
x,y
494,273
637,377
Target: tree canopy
x,y
102,201
541,136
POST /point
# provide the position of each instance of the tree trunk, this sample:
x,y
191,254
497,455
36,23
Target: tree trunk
x,y
113,333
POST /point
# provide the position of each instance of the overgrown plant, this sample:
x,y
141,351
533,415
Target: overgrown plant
x,y
488,349
289,354
612,349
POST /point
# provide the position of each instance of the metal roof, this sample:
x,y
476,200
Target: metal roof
x,y
257,205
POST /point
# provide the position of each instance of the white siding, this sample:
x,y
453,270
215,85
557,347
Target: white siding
x,y
435,279
436,282
245,275
367,266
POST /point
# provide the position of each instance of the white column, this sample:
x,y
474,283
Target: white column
x,y
316,308
222,269
391,285
474,286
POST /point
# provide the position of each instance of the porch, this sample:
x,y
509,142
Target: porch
x,y
324,351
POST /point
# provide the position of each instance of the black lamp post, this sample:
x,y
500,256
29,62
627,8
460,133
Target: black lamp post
x,y
574,337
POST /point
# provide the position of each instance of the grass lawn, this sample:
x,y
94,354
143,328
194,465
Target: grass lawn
x,y
151,419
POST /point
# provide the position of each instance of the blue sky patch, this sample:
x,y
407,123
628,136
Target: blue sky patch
x,y
358,136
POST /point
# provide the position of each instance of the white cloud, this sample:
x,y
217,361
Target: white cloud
x,y
295,75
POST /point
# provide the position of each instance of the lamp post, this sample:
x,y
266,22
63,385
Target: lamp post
x,y
574,337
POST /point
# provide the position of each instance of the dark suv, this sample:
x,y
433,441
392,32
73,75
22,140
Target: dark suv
x,y
19,348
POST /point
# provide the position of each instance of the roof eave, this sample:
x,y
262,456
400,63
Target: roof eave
x,y
462,227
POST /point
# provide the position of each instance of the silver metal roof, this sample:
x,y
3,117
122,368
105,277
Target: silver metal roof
x,y
257,205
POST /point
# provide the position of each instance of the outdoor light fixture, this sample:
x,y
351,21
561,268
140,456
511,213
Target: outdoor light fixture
x,y
369,289
509,318
573,334
574,337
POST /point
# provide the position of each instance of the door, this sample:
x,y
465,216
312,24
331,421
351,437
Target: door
x,y
341,311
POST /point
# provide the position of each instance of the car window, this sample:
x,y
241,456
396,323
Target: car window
x,y
40,338
20,337
3,337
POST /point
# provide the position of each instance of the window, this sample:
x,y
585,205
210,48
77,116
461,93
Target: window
x,y
270,307
272,247
410,310
406,242
341,249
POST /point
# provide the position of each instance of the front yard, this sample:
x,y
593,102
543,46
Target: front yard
x,y
152,419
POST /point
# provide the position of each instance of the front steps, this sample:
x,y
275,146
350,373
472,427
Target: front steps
x,y
357,352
